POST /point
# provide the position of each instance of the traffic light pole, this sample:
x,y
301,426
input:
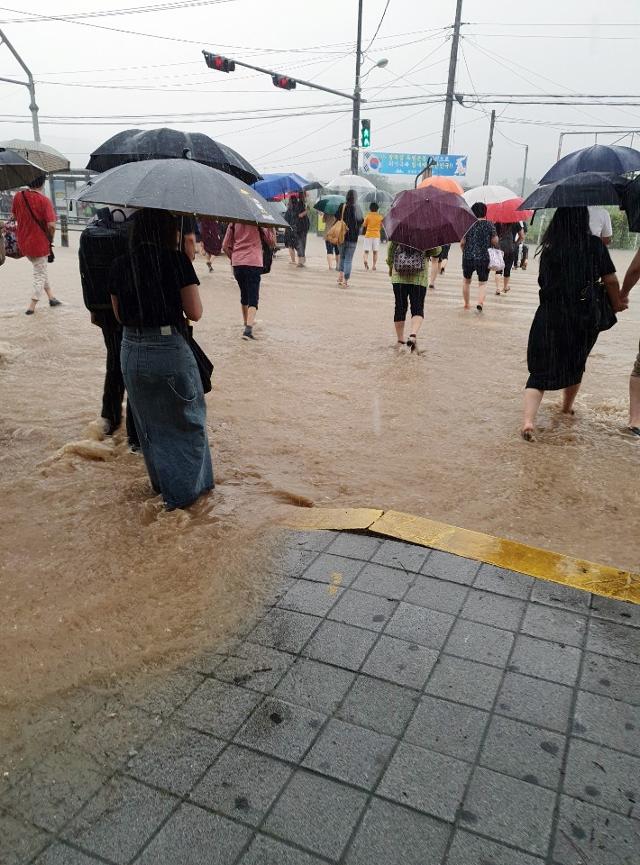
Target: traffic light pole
x,y
453,63
357,98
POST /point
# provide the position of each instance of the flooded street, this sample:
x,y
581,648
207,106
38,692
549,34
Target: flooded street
x,y
321,410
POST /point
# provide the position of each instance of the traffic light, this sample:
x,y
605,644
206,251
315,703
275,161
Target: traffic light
x,y
284,82
365,133
221,64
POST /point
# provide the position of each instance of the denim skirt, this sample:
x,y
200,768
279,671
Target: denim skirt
x,y
165,391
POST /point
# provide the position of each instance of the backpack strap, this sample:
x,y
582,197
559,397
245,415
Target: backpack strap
x,y
41,225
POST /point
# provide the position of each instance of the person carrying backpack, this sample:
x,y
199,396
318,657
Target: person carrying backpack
x,y
409,272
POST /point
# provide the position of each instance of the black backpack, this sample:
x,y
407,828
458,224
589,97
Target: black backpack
x,y
100,243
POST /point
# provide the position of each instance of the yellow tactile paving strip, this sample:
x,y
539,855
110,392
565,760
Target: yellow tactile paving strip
x,y
543,564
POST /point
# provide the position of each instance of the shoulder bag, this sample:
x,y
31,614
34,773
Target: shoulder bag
x,y
51,257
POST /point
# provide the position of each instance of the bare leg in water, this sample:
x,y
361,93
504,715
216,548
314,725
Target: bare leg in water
x,y
482,293
532,400
569,395
634,402
466,292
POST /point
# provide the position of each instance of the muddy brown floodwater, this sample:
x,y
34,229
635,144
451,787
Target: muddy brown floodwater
x,y
321,409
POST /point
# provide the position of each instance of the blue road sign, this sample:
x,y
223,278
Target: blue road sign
x,y
448,165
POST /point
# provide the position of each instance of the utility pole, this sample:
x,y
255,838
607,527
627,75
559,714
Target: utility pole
x,y
453,63
489,148
357,96
524,170
33,108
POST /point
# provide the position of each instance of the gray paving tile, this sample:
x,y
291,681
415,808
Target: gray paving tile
x,y
437,594
113,731
449,728
313,540
267,851
314,685
468,849
420,625
19,841
380,705
523,751
614,640
195,837
557,595
339,644
448,567
400,662
256,667
118,821
390,583
315,599
464,681
363,610
294,561
553,661
398,554
509,810
161,694
391,834
594,836
55,789
603,777
242,784
284,630
312,805
478,642
281,729
349,753
623,612
218,708
504,582
335,570
58,854
355,546
430,782
558,626
491,609
175,758
535,701
611,677
608,722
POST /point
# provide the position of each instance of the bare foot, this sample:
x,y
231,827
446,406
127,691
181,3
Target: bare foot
x,y
466,306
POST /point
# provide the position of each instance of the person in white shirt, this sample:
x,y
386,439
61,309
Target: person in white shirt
x,y
600,224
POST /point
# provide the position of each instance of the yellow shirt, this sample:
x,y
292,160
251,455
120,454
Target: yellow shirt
x,y
372,224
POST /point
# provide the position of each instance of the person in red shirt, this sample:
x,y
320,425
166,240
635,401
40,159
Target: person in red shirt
x,y
36,220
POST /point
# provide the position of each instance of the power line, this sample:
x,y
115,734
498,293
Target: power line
x,y
373,39
109,13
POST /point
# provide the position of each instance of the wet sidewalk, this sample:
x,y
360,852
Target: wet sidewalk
x,y
395,705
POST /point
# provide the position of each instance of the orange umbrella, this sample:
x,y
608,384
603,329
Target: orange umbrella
x,y
447,184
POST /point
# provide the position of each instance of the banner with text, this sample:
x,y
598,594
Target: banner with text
x,y
448,165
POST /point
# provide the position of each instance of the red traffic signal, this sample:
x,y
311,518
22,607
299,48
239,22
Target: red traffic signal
x,y
218,62
284,82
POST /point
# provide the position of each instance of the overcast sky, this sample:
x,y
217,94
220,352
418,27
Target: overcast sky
x,y
94,82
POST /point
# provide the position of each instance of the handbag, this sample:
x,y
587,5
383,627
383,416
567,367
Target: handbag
x,y
10,233
496,259
267,254
595,307
51,257
338,230
2,252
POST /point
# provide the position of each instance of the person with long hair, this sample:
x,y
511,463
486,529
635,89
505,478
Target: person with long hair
x,y
510,236
563,332
153,288
350,214
298,219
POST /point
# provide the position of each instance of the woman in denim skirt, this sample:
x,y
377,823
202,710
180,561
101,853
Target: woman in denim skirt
x,y
152,289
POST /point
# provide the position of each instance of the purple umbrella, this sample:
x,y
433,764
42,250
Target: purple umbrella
x,y
428,217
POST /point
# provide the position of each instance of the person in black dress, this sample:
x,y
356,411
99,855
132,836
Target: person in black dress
x,y
510,236
350,213
563,333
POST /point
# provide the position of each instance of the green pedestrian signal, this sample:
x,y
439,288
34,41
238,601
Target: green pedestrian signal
x,y
365,133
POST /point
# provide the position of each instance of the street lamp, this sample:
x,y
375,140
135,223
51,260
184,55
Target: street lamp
x,y
357,99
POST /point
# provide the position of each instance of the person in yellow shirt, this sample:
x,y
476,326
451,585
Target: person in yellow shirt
x,y
371,230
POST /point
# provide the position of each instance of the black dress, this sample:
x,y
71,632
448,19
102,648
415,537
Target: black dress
x,y
560,338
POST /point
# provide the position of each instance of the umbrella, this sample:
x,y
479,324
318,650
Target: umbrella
x,y
630,196
604,158
428,217
329,204
181,186
446,184
136,145
488,194
47,158
579,190
380,196
345,182
507,211
276,185
15,170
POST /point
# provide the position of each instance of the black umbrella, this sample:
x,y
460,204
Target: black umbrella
x,y
183,187
15,170
580,190
631,204
610,159
137,145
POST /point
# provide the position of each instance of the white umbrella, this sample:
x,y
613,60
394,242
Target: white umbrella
x,y
45,157
489,194
345,182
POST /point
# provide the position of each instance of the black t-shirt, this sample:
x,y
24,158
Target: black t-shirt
x,y
478,240
152,298
353,217
565,273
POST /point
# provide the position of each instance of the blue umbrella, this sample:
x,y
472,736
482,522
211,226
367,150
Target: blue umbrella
x,y
273,185
580,190
602,158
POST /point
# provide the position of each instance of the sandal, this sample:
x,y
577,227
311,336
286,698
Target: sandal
x,y
527,435
635,431
412,342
